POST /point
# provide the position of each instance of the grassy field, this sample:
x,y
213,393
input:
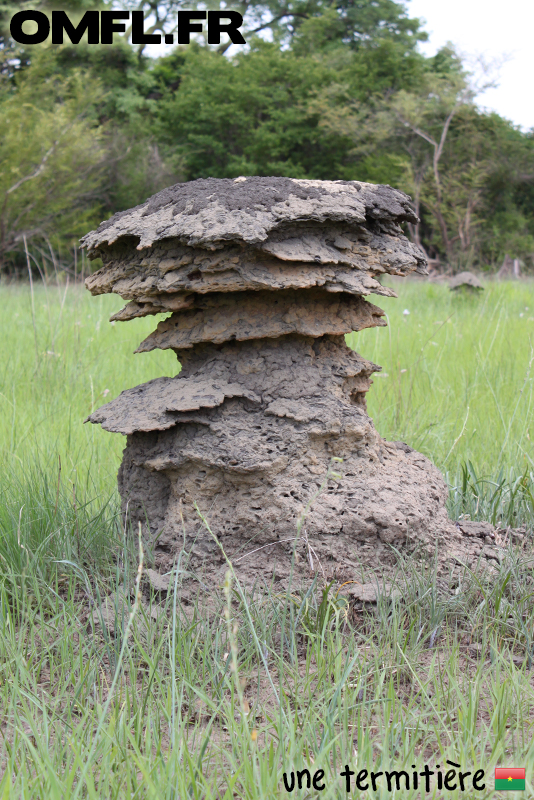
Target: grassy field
x,y
219,702
457,380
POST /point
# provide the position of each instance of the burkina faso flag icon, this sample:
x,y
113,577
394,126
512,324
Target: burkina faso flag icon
x,y
510,779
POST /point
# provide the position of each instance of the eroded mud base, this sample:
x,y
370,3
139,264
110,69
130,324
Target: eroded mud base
x,y
250,464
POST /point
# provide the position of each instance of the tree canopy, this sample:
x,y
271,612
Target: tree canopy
x,y
329,90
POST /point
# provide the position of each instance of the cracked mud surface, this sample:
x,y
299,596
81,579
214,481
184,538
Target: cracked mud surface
x,y
212,211
247,432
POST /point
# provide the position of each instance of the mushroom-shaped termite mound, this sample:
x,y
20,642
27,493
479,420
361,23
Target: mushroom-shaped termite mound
x,y
262,277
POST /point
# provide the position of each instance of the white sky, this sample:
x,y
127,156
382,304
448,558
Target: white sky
x,y
492,28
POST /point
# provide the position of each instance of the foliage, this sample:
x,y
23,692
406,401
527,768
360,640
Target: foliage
x,y
262,127
469,173
347,22
51,157
139,164
340,91
454,153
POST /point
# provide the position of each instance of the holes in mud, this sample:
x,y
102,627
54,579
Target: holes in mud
x,y
358,399
195,275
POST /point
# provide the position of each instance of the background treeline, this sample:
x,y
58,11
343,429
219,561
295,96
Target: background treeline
x,y
324,90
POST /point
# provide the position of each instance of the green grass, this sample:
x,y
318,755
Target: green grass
x,y
457,384
218,700
61,360
457,381
457,378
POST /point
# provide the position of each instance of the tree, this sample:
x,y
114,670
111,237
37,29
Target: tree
x,y
470,174
245,116
52,156
14,56
340,92
346,22
453,154
427,116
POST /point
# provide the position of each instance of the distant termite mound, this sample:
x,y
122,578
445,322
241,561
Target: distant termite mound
x,y
262,277
465,281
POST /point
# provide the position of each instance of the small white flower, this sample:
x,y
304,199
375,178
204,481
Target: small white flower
x,y
405,312
403,370
105,393
521,315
